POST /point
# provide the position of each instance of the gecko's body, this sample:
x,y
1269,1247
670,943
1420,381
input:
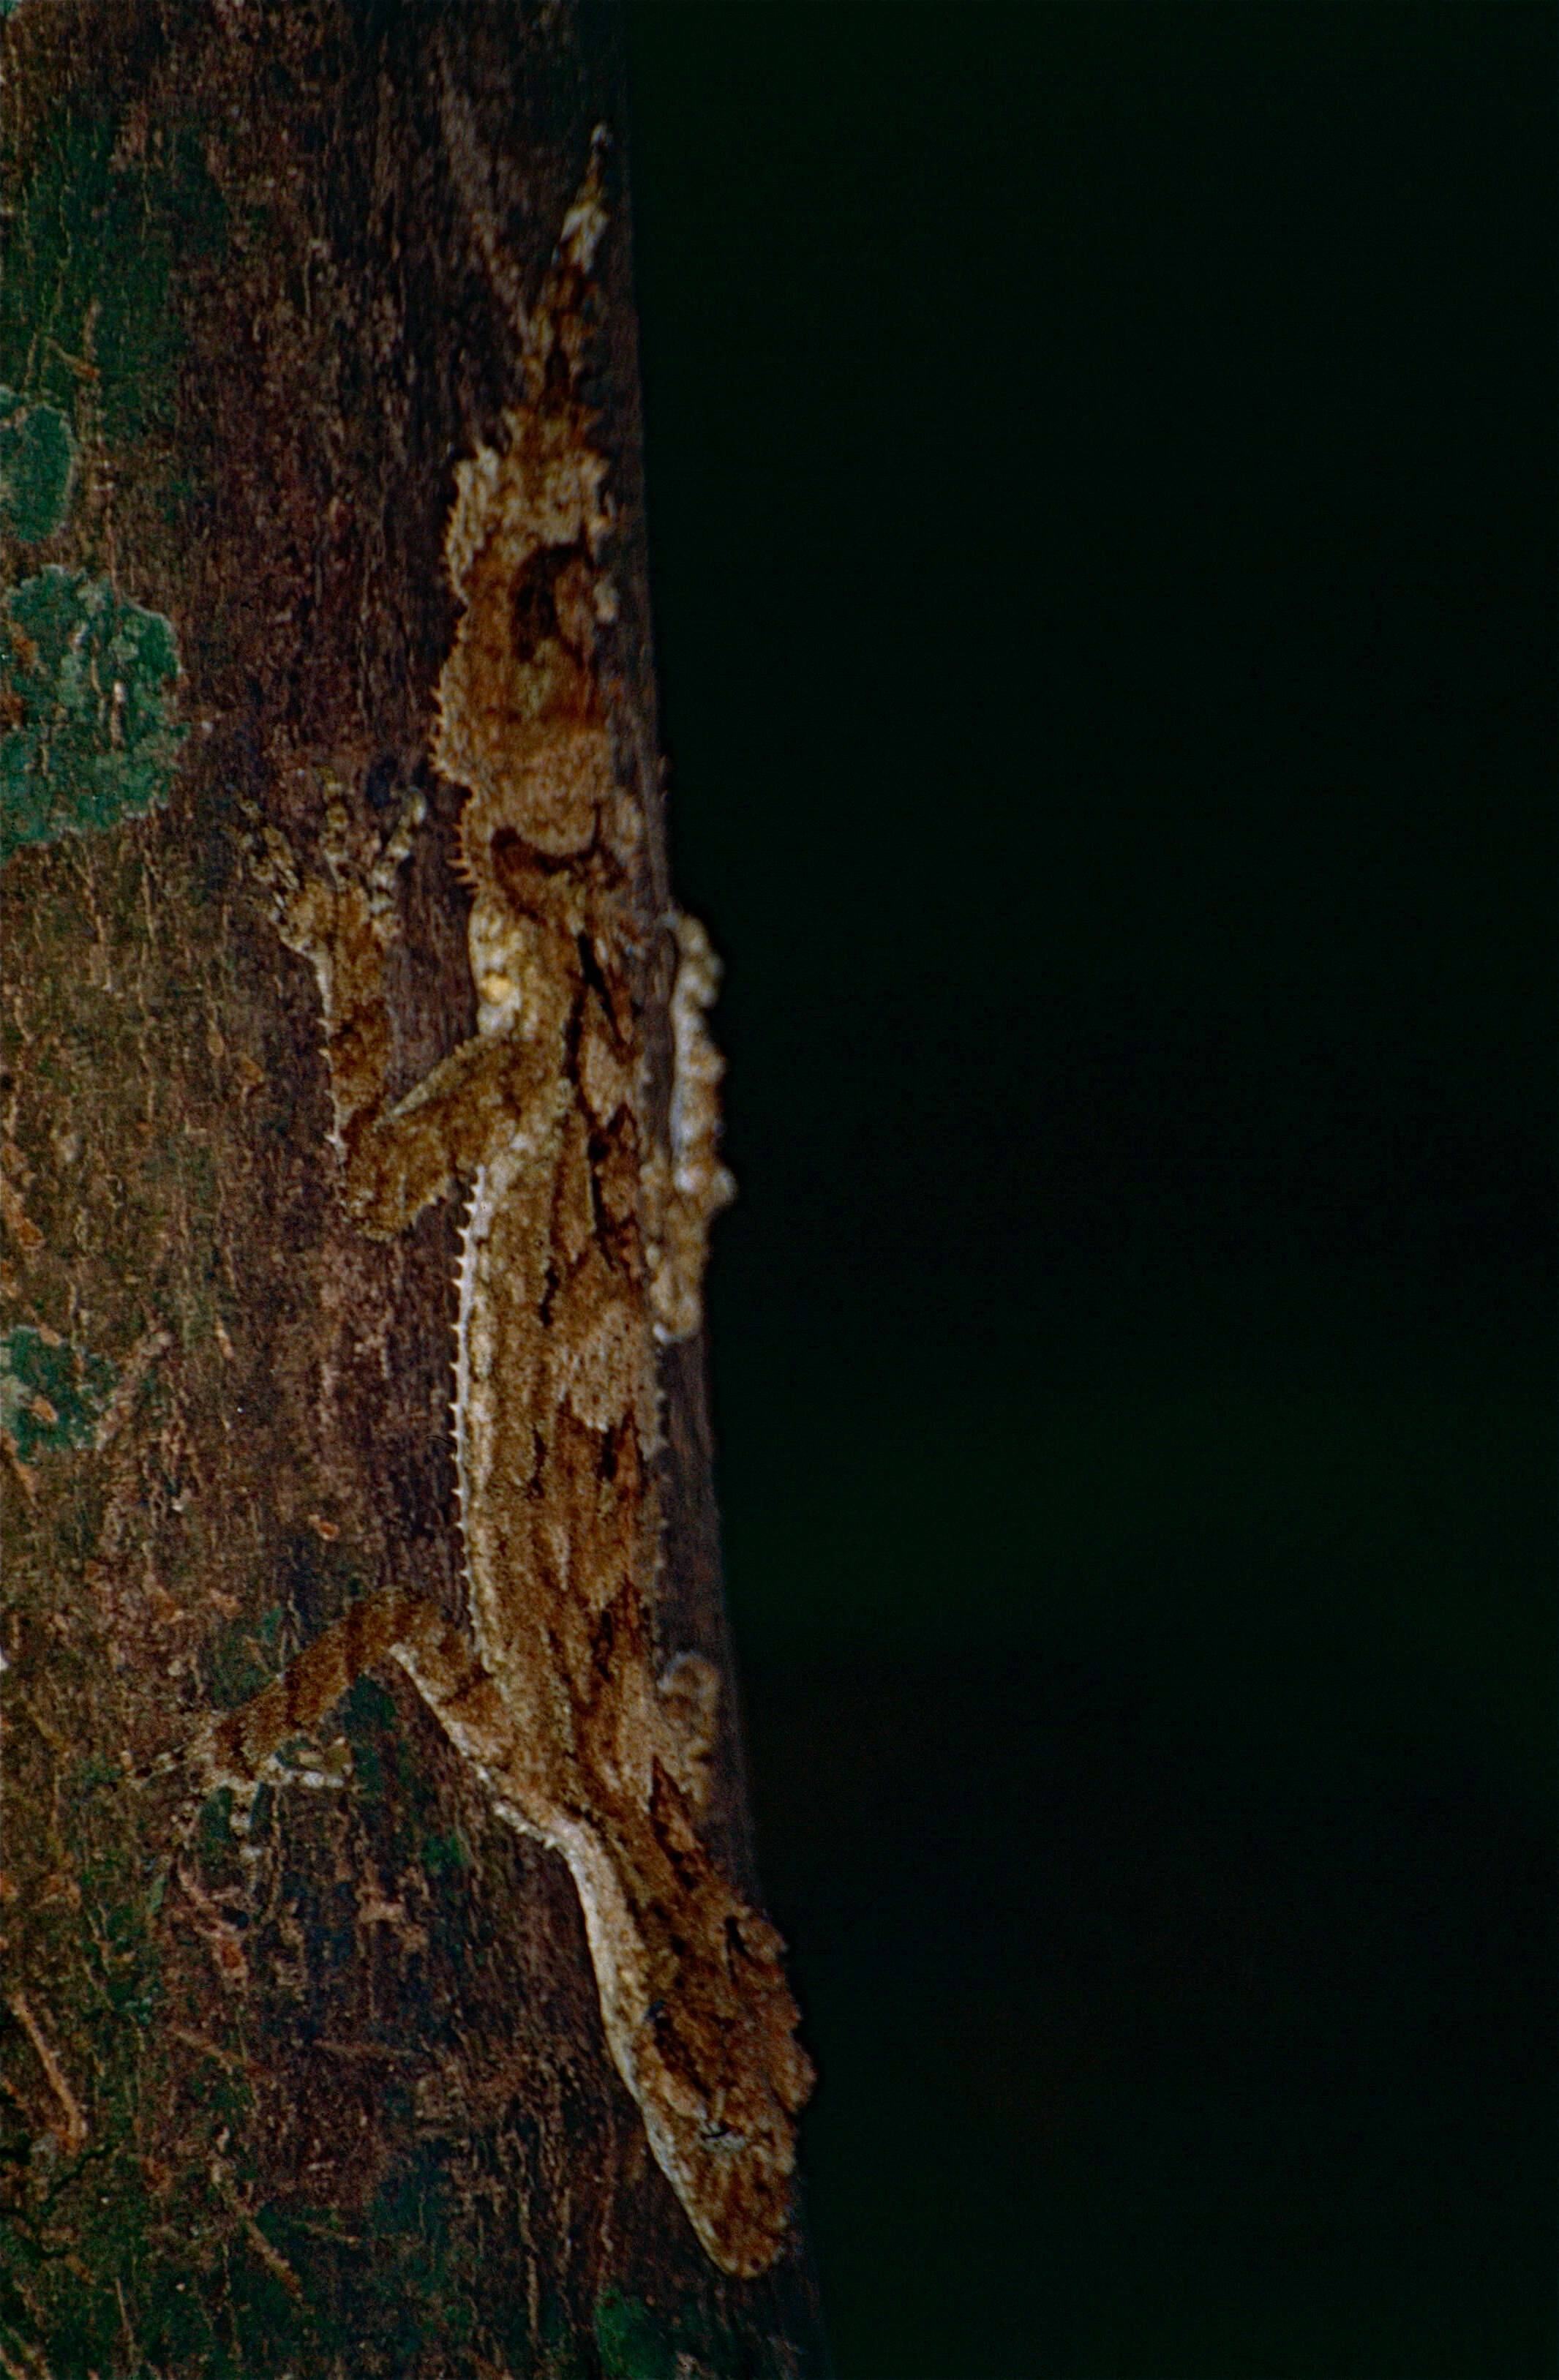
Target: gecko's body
x,y
583,1250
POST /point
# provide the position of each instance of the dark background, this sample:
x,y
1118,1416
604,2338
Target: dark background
x,y
1103,514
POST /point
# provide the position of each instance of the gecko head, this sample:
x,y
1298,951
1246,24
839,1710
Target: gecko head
x,y
721,2080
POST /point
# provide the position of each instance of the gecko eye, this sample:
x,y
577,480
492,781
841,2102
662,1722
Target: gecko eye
x,y
496,988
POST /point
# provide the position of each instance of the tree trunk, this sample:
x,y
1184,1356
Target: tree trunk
x,y
307,2074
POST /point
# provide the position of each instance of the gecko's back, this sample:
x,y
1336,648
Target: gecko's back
x,y
583,1252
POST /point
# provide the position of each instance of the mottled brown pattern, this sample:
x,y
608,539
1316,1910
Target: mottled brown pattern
x,y
583,1255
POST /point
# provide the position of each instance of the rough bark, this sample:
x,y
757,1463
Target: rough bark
x,y
333,2097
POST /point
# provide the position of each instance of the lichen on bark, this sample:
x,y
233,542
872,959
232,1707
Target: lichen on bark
x,y
86,692
37,462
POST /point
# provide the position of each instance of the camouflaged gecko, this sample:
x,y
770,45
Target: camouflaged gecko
x,y
583,1248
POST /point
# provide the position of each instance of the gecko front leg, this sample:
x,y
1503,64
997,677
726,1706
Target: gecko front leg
x,y
396,1156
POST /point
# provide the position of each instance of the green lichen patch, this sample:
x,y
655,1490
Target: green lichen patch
x,y
86,691
444,1855
90,254
93,2231
637,2342
37,460
632,2344
50,1395
242,1658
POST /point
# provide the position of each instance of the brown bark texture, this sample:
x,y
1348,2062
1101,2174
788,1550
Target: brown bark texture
x,y
332,2096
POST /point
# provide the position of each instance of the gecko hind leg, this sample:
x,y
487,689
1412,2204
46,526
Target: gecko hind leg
x,y
236,1749
697,2015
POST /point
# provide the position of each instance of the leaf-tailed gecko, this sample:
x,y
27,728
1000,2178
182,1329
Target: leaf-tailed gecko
x,y
583,1250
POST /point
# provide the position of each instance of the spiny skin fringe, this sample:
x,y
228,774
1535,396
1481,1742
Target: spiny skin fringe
x,y
698,2018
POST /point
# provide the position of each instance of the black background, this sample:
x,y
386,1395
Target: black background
x,y
1101,470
